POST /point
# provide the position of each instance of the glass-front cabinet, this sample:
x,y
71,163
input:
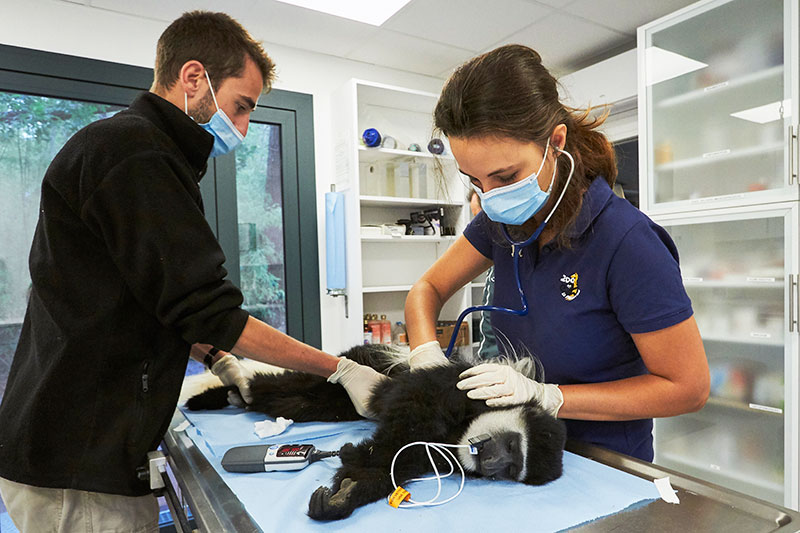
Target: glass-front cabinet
x,y
718,105
739,267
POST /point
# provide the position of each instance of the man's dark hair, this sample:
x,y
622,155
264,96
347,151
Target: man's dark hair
x,y
214,39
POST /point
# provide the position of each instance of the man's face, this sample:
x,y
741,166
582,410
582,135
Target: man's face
x,y
236,96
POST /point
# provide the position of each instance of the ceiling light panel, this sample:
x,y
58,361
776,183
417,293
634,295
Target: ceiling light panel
x,y
367,11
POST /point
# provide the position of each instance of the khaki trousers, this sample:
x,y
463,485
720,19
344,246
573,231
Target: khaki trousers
x,y
45,510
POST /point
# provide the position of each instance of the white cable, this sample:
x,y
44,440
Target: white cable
x,y
442,450
569,178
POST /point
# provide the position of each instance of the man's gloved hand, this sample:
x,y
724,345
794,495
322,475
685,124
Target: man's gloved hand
x,y
501,385
358,381
427,354
231,372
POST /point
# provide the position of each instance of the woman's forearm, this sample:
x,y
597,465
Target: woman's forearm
x,y
647,396
423,305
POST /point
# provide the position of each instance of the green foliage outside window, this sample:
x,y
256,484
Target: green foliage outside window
x,y
32,131
260,212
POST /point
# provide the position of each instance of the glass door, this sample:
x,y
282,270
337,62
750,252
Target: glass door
x,y
738,270
717,84
264,197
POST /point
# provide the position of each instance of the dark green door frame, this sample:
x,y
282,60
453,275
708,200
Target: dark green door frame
x,y
61,76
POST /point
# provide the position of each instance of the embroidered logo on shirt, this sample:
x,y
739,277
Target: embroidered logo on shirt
x,y
569,287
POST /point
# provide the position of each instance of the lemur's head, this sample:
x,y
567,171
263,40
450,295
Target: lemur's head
x,y
525,444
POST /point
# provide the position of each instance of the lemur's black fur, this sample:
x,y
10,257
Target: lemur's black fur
x,y
423,405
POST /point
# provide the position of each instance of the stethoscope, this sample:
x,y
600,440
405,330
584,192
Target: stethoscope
x,y
516,253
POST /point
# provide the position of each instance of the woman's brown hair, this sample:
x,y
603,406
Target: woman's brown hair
x,y
509,93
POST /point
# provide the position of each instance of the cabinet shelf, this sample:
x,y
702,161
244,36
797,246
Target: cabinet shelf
x,y
386,288
384,201
720,155
714,90
751,408
748,283
753,341
372,155
409,238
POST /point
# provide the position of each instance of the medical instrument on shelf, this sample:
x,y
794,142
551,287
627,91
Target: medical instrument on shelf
x,y
516,253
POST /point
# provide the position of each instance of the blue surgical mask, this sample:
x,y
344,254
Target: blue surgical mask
x,y
515,204
226,136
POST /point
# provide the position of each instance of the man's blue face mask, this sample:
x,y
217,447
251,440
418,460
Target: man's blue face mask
x,y
226,136
515,204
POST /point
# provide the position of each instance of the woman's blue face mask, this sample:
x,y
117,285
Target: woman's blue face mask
x,y
226,136
515,204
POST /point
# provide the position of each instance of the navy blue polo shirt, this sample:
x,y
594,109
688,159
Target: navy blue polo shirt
x,y
620,276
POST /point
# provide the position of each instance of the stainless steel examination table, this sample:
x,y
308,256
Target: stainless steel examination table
x,y
703,506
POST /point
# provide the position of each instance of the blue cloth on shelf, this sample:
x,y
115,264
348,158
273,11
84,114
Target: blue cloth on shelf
x,y
588,490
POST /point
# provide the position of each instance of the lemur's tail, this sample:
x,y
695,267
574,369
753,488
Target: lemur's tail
x,y
213,398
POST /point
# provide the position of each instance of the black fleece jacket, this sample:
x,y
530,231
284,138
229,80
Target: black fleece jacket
x,y
126,275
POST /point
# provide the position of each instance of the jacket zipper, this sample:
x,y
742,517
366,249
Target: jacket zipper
x,y
145,377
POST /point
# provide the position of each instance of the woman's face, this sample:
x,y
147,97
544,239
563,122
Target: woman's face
x,y
491,162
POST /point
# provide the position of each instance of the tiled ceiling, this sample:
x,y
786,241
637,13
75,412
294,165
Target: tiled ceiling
x,y
434,36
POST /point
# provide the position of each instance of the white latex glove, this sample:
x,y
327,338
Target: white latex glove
x,y
358,381
427,354
232,373
501,385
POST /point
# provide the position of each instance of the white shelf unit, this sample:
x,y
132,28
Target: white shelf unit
x,y
718,99
383,185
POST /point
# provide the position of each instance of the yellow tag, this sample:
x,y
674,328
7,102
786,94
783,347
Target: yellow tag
x,y
399,496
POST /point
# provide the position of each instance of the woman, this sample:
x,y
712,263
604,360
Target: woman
x,y
608,316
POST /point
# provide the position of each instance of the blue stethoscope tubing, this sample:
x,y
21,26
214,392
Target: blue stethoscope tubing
x,y
516,253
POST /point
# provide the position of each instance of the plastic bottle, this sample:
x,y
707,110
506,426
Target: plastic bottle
x,y
399,336
375,328
386,330
367,331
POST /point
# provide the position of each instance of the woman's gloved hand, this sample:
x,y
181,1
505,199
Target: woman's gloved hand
x,y
427,354
358,381
233,373
501,385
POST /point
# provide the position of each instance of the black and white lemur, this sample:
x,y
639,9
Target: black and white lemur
x,y
526,444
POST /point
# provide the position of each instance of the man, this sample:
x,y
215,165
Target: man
x,y
126,278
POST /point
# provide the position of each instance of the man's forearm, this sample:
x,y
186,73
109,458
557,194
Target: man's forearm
x,y
198,352
264,343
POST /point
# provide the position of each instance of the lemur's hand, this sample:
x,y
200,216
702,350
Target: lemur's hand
x,y
501,385
358,381
427,354
232,373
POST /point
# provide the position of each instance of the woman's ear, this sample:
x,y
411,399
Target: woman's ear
x,y
191,77
559,138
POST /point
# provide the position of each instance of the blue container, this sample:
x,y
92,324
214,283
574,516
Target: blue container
x,y
371,137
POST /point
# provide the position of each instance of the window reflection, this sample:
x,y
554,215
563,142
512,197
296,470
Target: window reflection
x,y
260,216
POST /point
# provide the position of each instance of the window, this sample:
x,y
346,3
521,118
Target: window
x,y
260,200
259,207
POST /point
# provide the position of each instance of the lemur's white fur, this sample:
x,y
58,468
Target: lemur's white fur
x,y
492,423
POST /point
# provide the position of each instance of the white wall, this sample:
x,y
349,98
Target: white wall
x,y
77,30
612,81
